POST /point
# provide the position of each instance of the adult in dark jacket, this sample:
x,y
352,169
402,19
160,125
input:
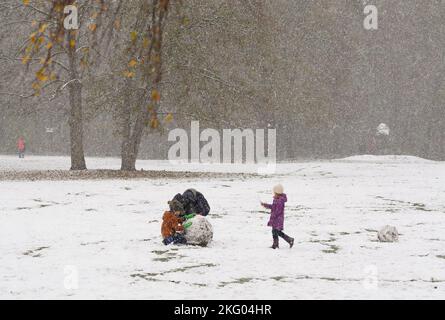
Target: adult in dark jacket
x,y
193,202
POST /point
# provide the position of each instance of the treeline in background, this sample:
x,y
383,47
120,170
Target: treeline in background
x,y
136,69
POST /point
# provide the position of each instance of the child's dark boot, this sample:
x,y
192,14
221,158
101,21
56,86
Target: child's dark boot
x,y
275,243
289,240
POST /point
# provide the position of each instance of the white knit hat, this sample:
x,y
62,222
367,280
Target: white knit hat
x,y
278,189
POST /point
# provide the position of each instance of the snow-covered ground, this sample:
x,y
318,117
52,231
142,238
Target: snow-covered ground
x,y
101,239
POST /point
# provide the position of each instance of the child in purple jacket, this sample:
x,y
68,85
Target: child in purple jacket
x,y
276,220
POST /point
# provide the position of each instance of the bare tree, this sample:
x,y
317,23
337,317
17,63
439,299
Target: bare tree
x,y
142,73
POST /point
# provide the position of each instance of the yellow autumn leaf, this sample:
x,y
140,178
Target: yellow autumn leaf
x,y
49,45
185,21
169,118
154,123
43,78
25,59
146,43
59,7
35,86
133,36
40,75
155,96
53,76
43,27
92,27
32,37
132,63
26,2
72,43
129,74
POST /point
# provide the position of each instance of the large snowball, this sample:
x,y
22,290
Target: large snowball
x,y
200,232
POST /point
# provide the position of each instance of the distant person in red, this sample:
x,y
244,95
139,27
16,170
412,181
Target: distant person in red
x,y
21,146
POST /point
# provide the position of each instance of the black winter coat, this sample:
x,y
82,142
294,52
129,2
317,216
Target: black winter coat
x,y
194,202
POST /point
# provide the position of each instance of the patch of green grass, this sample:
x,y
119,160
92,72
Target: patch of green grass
x,y
329,279
183,269
421,207
163,259
323,241
145,276
91,243
278,278
148,275
159,252
167,256
236,281
332,249
35,253
150,278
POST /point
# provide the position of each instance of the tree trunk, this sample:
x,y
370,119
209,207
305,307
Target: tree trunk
x,y
128,156
128,160
133,129
131,141
76,119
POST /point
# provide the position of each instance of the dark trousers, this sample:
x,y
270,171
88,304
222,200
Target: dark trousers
x,y
278,233
21,154
175,239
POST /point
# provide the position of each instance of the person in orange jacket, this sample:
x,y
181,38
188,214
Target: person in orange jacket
x,y
21,146
172,228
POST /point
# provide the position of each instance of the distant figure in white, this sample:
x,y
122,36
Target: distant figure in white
x,y
383,129
382,139
388,234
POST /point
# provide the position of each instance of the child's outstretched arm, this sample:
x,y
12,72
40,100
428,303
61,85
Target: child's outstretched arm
x,y
266,205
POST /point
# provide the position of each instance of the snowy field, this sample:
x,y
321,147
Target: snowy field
x,y
101,239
